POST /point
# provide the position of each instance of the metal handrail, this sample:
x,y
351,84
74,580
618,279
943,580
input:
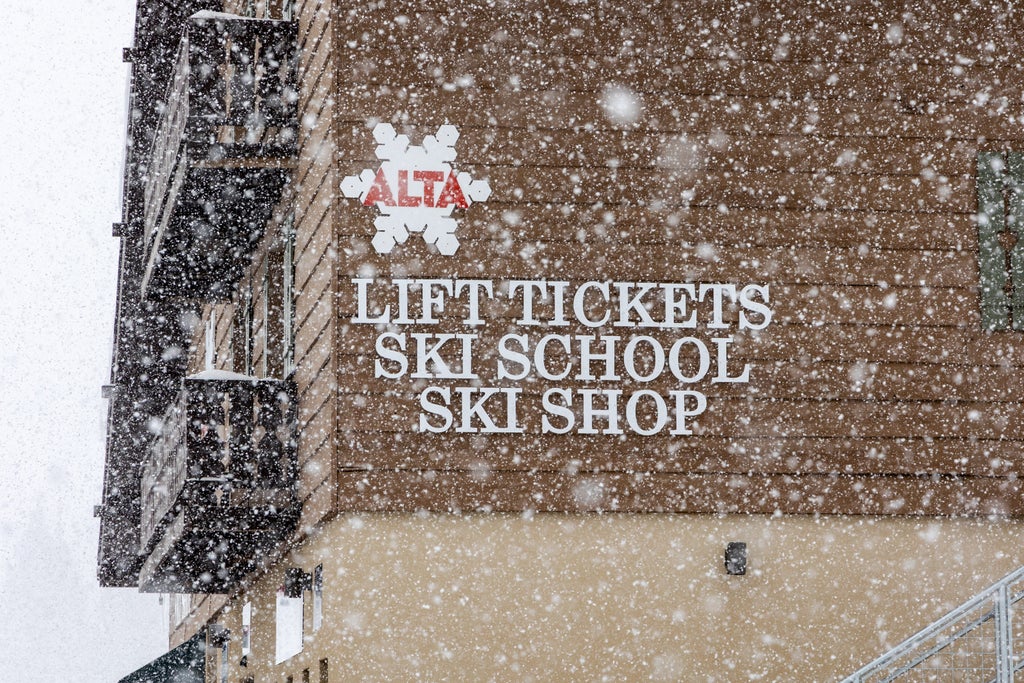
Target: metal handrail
x,y
939,647
163,472
228,72
245,445
997,595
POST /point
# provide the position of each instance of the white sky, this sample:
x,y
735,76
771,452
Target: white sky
x,y
61,136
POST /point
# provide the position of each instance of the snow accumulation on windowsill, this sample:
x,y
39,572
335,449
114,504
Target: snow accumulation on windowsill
x,y
210,14
222,375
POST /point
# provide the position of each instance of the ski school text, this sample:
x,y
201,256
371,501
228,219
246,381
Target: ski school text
x,y
676,335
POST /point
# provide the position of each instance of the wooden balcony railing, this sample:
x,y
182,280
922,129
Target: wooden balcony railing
x,y
218,487
221,153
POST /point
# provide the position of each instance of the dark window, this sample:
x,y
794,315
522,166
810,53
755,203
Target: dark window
x,y
1000,248
241,332
288,297
318,597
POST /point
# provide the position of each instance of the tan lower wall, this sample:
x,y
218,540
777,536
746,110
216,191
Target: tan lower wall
x,y
620,597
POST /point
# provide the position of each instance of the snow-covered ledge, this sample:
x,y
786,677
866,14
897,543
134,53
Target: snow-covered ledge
x,y
222,375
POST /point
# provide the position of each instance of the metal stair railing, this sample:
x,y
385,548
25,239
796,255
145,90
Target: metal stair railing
x,y
976,642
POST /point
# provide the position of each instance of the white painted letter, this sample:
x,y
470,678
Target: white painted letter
x,y
438,409
540,358
609,413
586,356
675,305
754,307
392,355
362,316
565,412
634,303
703,365
433,301
682,413
659,406
723,362
529,287
514,356
578,301
629,358
717,321
474,287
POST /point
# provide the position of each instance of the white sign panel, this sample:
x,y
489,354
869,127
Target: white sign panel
x,y
288,627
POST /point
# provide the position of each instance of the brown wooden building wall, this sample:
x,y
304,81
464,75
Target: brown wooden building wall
x,y
828,152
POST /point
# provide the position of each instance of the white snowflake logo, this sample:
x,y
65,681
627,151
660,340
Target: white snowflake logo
x,y
415,189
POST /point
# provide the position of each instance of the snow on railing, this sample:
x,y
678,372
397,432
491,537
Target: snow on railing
x,y
164,160
977,641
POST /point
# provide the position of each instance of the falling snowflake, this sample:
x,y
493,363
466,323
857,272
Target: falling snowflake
x,y
415,189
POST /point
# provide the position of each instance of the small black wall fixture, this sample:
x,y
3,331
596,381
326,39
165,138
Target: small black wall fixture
x,y
736,558
296,581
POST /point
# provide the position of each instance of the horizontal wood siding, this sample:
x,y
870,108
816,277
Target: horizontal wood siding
x,y
669,492
830,155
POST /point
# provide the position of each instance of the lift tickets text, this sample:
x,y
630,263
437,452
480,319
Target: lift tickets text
x,y
597,357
